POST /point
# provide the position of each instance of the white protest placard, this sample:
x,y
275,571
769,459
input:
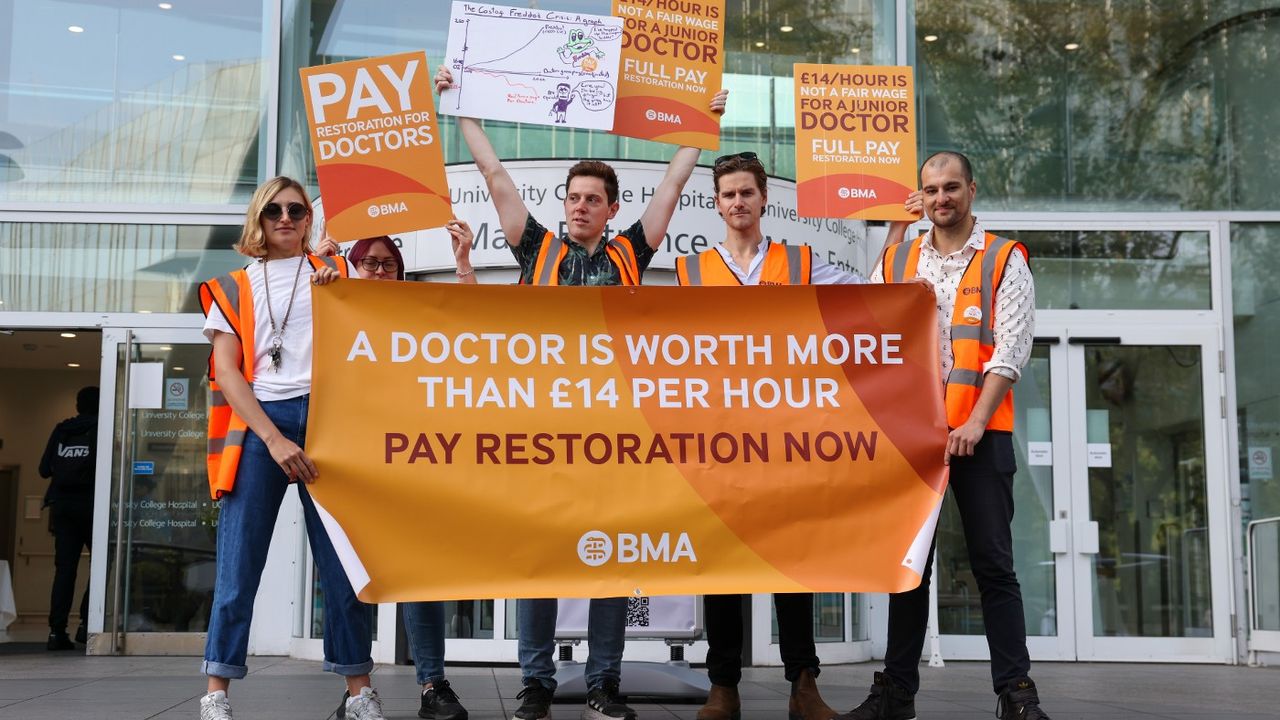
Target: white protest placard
x,y
532,66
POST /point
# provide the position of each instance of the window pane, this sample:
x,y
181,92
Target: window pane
x,y
111,268
758,61
122,101
828,618
959,600
468,619
1105,105
1255,302
1119,269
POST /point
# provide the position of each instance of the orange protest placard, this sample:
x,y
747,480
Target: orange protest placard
x,y
855,141
376,144
672,57
597,442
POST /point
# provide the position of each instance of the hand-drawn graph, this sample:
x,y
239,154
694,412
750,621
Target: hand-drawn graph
x,y
532,66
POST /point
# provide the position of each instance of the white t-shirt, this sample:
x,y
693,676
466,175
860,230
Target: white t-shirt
x,y
293,378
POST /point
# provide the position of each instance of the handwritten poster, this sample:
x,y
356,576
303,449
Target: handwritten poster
x,y
532,66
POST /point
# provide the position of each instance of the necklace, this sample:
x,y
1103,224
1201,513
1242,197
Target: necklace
x,y
277,335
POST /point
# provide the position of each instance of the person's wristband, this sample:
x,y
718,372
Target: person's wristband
x,y
461,274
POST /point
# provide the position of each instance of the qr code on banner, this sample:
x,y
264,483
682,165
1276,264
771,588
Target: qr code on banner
x,y
638,612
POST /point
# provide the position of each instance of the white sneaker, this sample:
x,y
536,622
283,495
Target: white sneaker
x,y
365,706
215,706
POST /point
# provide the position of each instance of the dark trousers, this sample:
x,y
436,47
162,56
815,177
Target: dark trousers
x,y
71,522
724,635
982,486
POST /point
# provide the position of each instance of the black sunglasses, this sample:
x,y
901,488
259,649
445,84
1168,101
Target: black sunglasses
x,y
274,211
748,155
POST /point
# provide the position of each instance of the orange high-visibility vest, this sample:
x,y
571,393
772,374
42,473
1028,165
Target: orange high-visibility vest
x,y
972,323
234,297
783,265
547,270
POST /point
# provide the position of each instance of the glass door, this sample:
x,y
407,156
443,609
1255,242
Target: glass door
x,y
1149,538
161,524
1120,531
1041,495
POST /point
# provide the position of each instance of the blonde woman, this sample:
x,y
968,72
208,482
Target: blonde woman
x,y
259,321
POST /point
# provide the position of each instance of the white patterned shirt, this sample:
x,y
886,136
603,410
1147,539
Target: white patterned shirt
x,y
1015,322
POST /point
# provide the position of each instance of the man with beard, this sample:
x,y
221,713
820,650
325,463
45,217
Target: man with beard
x,y
986,324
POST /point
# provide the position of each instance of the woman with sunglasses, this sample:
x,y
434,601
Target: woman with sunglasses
x,y
259,321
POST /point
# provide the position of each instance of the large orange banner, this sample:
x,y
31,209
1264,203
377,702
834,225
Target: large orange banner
x,y
596,442
376,145
672,63
855,141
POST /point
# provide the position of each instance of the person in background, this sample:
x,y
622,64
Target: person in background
x,y
68,462
260,378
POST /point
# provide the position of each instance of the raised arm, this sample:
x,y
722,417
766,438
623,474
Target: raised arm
x,y
898,228
512,212
657,216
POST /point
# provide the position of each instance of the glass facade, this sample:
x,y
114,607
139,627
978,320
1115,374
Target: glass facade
x,y
1066,105
118,101
99,267
1119,269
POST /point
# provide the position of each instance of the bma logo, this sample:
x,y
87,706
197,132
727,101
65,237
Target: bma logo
x,y
73,451
596,548
659,116
388,209
846,192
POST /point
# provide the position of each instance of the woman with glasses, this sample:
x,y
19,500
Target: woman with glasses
x,y
378,258
259,321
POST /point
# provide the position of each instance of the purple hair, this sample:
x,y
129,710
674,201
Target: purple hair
x,y
361,248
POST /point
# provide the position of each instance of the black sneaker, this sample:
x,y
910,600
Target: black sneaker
x,y
885,702
1020,701
59,641
537,702
604,703
440,702
82,636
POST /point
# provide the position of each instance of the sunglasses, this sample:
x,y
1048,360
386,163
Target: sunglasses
x,y
748,155
275,211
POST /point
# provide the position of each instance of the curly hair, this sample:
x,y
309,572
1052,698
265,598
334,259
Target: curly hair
x,y
253,241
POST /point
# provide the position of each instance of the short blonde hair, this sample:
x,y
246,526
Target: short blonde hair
x,y
253,242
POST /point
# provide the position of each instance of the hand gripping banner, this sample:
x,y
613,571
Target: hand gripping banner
x,y
597,442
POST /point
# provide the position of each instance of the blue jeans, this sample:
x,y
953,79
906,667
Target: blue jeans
x,y
424,624
245,524
606,631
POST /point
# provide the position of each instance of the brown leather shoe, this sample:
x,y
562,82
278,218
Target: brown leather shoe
x,y
723,703
806,702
